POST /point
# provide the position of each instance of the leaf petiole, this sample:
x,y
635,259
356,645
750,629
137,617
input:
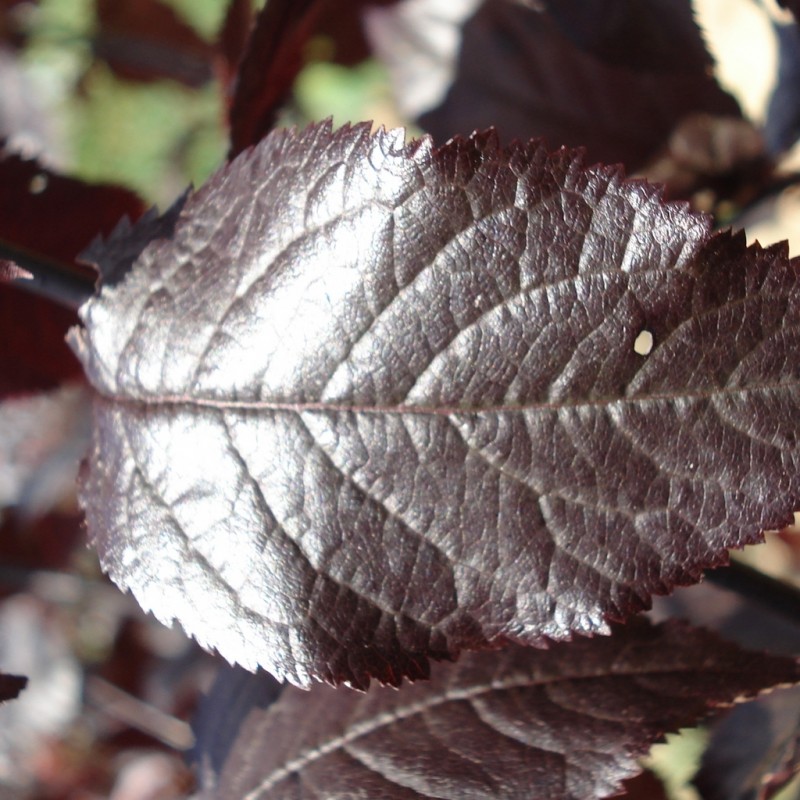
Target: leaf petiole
x,y
51,279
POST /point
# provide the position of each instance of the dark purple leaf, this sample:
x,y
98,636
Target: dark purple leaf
x,y
632,35
11,686
146,40
751,622
272,61
374,403
557,724
235,694
609,76
754,745
112,257
275,56
233,38
644,786
754,750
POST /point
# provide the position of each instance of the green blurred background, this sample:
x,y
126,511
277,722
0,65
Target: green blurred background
x,y
157,137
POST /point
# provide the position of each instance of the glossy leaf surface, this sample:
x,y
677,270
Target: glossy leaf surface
x,y
565,723
372,404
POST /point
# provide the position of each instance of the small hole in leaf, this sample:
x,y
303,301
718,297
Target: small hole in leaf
x,y
643,343
38,184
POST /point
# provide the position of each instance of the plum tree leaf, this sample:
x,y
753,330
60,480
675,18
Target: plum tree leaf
x,y
561,724
373,403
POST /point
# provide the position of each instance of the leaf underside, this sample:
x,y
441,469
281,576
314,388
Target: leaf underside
x,y
374,403
561,724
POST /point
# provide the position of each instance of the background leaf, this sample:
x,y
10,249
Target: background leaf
x,y
278,50
146,40
271,62
51,218
756,747
753,744
567,722
609,76
233,37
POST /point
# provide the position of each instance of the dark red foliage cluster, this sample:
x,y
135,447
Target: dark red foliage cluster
x,y
358,405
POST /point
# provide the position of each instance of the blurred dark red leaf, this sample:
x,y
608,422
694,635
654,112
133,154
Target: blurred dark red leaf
x,y
233,37
604,76
146,40
274,58
46,543
645,786
11,686
55,217
13,26
272,61
344,28
34,355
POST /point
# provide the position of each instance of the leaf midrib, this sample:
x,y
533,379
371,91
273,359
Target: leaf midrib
x,y
300,407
